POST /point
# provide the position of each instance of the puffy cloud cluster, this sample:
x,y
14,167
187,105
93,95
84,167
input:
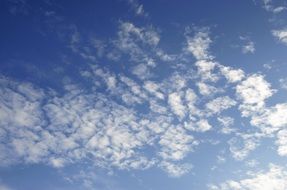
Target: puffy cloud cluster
x,y
199,44
113,118
39,126
272,119
176,143
232,75
253,92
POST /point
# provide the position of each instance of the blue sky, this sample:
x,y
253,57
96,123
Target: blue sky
x,y
147,95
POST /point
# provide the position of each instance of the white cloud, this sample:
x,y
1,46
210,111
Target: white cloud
x,y
272,119
190,96
226,122
153,88
253,92
129,31
205,69
175,102
79,124
219,104
248,45
176,82
203,125
176,170
268,5
20,104
240,147
199,44
57,162
274,179
142,71
176,143
85,123
157,107
232,75
282,142
114,120
283,83
248,48
252,163
206,89
135,41
137,8
281,35
109,79
279,9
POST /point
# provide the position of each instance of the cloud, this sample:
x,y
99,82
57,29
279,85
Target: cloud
x,y
199,44
205,69
275,178
83,123
175,102
268,5
248,48
282,142
142,71
129,34
219,104
232,75
110,119
153,88
253,92
272,119
226,122
137,8
22,108
279,9
176,170
283,83
241,146
176,143
206,89
203,125
280,35
248,45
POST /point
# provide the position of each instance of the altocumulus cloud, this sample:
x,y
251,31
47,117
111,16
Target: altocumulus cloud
x,y
112,119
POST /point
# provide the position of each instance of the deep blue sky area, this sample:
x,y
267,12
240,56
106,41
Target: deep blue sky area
x,y
147,95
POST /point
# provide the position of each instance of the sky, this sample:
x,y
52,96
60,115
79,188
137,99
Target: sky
x,y
146,95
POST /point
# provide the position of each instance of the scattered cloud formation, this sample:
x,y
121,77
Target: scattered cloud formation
x,y
103,121
273,179
270,6
132,103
